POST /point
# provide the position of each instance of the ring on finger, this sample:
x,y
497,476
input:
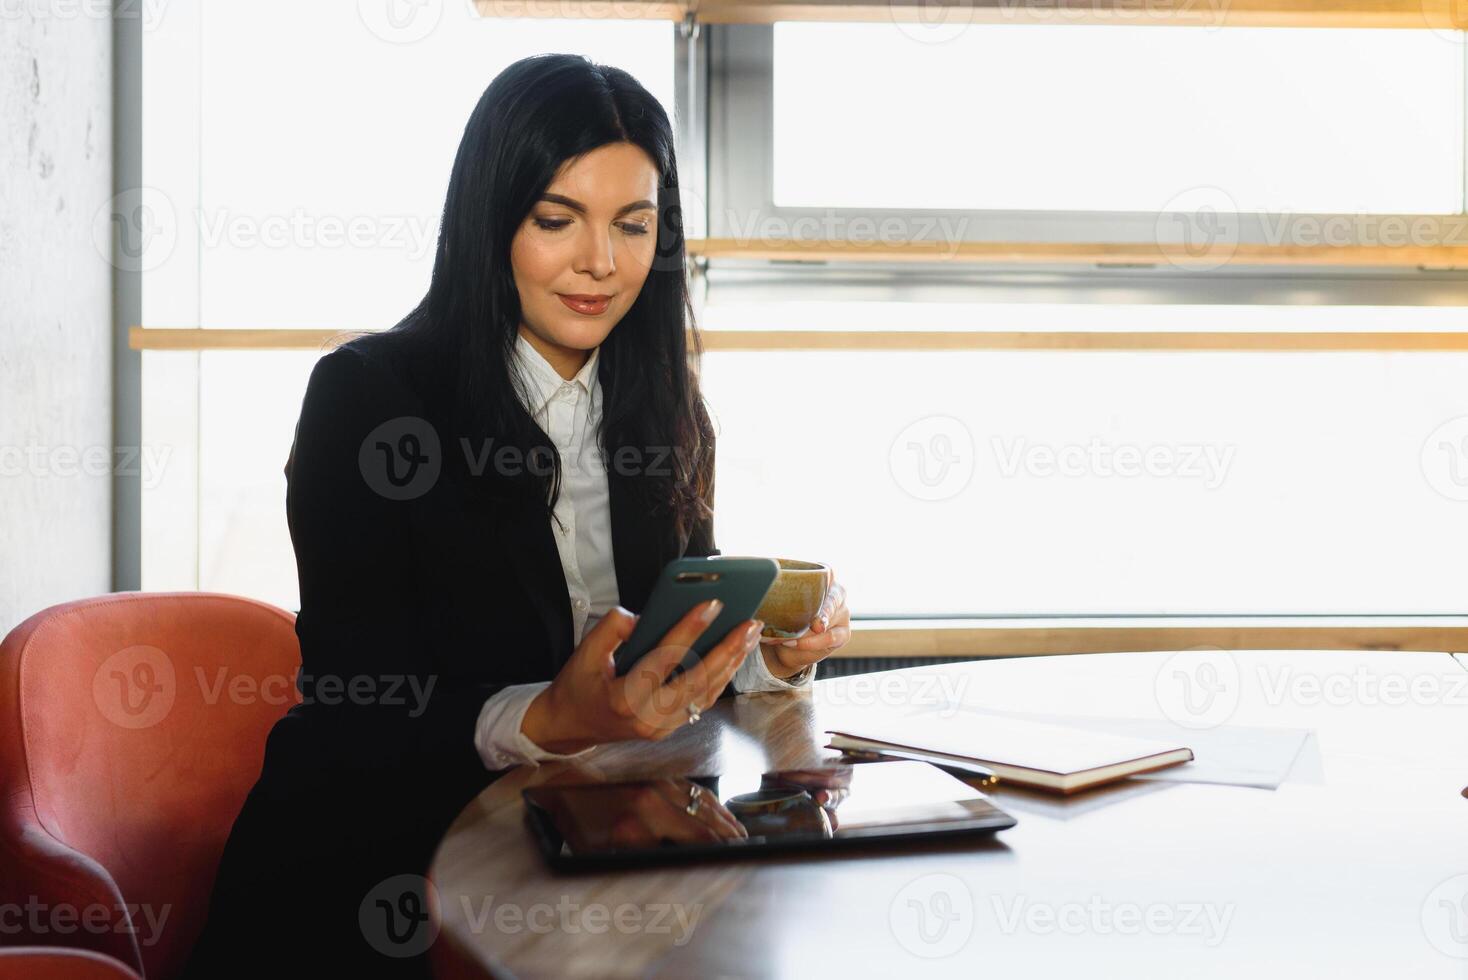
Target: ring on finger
x,y
695,800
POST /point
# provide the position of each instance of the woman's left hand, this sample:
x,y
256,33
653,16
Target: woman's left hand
x,y
829,631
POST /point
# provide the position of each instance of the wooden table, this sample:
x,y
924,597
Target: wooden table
x,y
1356,866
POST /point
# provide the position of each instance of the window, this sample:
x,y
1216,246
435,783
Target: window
x,y
1052,482
956,483
938,482
1107,118
305,195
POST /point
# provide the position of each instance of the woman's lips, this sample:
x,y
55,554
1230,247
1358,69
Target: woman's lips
x,y
586,305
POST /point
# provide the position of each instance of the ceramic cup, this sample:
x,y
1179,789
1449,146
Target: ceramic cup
x,y
794,599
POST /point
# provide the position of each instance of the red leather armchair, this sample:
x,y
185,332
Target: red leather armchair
x,y
132,726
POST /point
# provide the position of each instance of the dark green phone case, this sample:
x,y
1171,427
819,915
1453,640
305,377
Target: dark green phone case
x,y
741,583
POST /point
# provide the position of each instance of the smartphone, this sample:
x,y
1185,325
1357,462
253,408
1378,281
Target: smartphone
x,y
740,583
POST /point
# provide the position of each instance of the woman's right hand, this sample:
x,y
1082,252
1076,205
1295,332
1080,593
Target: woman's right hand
x,y
588,704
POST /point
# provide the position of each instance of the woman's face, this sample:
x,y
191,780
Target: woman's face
x,y
584,251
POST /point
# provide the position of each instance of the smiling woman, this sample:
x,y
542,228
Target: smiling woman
x,y
480,501
586,248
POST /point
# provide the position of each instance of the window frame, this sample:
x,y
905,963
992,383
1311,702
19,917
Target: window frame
x,y
740,170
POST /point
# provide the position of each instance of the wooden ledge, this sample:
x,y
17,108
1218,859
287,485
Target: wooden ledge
x,y
981,638
320,341
1406,14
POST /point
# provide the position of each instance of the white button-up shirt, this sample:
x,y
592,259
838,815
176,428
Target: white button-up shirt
x,y
581,523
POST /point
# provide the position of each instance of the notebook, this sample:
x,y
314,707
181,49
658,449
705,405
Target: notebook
x,y
1054,758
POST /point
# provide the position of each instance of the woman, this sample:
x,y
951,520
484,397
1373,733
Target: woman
x,y
477,498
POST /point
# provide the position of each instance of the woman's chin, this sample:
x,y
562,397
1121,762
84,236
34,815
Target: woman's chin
x,y
583,332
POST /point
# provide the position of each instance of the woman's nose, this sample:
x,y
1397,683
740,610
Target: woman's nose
x,y
595,256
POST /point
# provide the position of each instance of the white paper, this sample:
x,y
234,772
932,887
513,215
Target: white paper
x,y
1233,755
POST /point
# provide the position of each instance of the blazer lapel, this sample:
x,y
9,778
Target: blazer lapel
x,y
515,534
530,547
639,551
495,535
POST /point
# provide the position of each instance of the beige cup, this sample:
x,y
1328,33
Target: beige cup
x,y
794,598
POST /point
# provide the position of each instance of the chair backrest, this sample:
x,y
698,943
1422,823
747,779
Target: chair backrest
x,y
40,963
132,726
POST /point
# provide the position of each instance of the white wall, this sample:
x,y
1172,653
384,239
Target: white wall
x,y
55,308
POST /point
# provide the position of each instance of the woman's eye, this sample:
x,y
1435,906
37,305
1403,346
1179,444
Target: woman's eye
x,y
556,224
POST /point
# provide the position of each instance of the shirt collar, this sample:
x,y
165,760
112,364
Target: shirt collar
x,y
541,381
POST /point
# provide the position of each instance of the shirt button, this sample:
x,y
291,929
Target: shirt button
x,y
580,604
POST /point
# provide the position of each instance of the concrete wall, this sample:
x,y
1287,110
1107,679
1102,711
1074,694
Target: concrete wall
x,y
56,451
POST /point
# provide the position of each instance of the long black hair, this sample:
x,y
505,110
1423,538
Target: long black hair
x,y
535,116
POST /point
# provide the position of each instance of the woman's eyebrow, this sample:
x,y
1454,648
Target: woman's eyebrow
x,y
576,205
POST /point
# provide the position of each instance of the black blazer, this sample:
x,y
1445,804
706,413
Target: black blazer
x,y
410,584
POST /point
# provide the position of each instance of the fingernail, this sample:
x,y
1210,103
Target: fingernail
x,y
752,632
711,610
787,643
